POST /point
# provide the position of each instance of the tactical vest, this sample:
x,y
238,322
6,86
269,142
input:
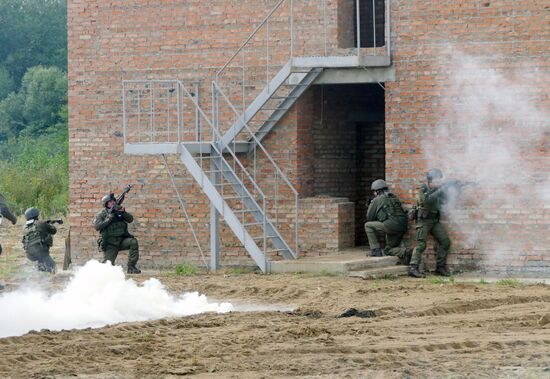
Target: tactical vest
x,y
32,236
391,208
118,228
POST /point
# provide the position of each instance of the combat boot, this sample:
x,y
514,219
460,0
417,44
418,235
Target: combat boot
x,y
133,270
377,252
442,271
415,272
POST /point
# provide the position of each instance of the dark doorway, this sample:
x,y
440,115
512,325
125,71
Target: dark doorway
x,y
349,144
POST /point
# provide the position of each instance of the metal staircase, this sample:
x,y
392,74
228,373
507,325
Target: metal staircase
x,y
251,93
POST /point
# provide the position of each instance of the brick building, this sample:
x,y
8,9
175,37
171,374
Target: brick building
x,y
298,111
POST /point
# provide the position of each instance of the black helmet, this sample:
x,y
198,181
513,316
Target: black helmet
x,y
378,184
31,213
105,199
434,173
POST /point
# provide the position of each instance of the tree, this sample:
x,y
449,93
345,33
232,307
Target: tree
x,y
7,85
45,92
32,32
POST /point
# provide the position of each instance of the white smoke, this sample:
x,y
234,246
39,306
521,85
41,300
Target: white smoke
x,y
96,296
493,129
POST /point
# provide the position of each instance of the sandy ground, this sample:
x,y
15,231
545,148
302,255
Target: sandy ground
x,y
422,328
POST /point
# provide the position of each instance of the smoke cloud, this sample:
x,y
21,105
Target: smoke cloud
x,y
96,296
494,129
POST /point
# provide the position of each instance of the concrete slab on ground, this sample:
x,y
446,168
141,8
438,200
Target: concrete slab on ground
x,y
341,263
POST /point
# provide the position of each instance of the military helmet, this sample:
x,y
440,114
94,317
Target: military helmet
x,y
105,199
31,213
378,185
434,173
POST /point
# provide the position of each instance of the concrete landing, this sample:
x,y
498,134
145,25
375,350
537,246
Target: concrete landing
x,y
381,273
342,263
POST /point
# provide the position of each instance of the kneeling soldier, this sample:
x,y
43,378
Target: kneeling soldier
x,y
37,240
385,216
112,224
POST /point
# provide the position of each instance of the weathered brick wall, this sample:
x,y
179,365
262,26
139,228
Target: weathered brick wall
x,y
111,41
431,121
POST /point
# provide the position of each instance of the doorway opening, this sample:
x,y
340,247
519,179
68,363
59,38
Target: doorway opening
x,y
349,144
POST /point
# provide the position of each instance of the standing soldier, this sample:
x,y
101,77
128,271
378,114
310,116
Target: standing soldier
x,y
431,197
5,212
112,224
385,215
37,240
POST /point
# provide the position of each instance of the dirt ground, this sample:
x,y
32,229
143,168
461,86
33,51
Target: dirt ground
x,y
425,328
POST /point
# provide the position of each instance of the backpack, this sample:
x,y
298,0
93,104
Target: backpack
x,y
32,237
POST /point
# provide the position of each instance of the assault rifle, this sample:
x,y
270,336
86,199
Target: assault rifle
x,y
459,184
56,221
120,199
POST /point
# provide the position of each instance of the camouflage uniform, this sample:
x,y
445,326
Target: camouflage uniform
x,y
429,204
386,217
37,240
113,228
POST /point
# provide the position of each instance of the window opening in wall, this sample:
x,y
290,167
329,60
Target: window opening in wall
x,y
372,19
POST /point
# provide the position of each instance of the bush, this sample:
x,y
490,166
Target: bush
x,y
186,269
36,174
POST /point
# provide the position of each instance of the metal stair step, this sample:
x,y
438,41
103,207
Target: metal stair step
x,y
261,238
235,197
246,210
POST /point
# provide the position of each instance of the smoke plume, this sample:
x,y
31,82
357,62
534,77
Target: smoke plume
x,y
494,129
97,295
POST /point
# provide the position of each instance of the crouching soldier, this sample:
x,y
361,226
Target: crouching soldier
x,y
385,216
112,224
37,240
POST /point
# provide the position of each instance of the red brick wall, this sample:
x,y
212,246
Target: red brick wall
x,y
471,76
110,41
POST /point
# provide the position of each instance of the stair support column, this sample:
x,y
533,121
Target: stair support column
x,y
214,226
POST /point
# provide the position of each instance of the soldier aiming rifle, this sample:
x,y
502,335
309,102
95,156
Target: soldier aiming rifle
x,y
112,225
432,196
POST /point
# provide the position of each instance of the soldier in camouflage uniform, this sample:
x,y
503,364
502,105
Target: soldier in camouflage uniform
x,y
431,198
37,240
112,224
6,212
385,216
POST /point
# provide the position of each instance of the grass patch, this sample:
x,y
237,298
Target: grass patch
x,y
239,270
483,281
508,282
441,280
186,269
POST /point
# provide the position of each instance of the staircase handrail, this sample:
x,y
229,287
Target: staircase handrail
x,y
256,30
217,133
280,172
256,140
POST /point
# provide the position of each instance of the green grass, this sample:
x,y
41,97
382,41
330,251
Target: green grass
x,y
508,282
186,269
239,270
483,281
441,280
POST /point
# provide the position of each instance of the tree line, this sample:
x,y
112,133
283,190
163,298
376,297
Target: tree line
x,y
33,104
